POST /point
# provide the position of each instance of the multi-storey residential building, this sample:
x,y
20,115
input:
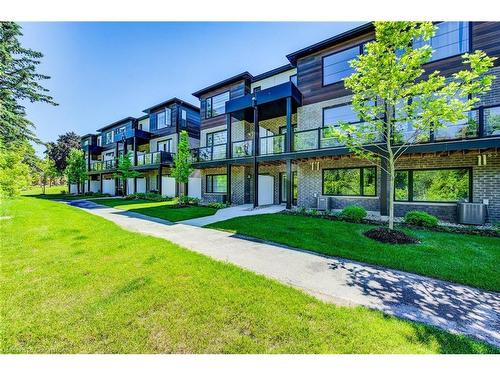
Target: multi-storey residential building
x,y
264,138
150,140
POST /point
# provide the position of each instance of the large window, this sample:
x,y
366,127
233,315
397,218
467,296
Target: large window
x,y
492,121
452,38
164,118
350,181
217,138
165,145
344,113
183,118
216,105
433,185
108,137
336,66
216,183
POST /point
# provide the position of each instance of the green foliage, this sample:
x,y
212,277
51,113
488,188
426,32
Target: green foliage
x,y
353,213
421,219
391,90
76,170
58,151
19,83
14,172
187,200
182,161
124,169
149,197
217,205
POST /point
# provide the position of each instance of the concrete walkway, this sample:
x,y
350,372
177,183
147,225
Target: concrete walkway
x,y
455,308
232,212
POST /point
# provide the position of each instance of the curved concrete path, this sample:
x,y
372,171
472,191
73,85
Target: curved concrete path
x,y
455,308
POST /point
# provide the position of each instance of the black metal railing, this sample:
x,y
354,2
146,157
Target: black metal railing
x,y
154,158
104,165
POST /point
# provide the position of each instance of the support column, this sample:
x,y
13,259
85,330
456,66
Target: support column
x,y
228,181
229,149
288,136
159,180
100,180
88,170
289,184
384,188
256,145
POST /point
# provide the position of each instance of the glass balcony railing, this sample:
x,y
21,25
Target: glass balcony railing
x,y
491,116
105,165
273,144
153,158
209,153
242,148
467,128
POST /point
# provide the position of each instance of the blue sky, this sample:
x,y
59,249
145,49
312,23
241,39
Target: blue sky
x,y
102,72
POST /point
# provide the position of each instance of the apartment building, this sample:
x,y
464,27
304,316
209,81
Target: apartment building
x,y
264,138
151,141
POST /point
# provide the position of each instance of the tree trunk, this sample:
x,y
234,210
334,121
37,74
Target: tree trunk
x,y
391,194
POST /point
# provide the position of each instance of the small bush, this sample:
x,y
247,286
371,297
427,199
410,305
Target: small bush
x,y
313,212
187,200
301,210
421,219
148,196
63,191
353,213
217,205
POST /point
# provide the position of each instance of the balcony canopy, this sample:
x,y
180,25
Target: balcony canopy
x,y
271,102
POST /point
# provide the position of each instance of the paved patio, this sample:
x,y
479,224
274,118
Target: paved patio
x,y
455,308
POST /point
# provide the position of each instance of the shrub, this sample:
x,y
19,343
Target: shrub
x,y
187,200
301,210
313,212
421,219
217,205
149,197
353,213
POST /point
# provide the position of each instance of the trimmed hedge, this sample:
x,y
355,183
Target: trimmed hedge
x,y
421,219
353,213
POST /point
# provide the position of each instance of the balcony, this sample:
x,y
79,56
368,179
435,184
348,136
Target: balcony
x,y
272,145
209,153
130,133
100,166
243,148
154,158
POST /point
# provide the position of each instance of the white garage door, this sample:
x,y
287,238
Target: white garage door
x,y
108,186
167,186
95,186
194,187
266,190
141,185
73,189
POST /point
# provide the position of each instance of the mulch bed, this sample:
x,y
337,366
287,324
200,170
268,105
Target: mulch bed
x,y
387,235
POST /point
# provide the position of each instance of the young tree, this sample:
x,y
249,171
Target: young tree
x,y
182,161
393,93
76,170
58,151
14,172
19,81
46,171
124,170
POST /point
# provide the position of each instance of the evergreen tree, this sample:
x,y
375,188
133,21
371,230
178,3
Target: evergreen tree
x,y
58,151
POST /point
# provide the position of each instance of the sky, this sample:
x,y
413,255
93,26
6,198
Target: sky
x,y
103,72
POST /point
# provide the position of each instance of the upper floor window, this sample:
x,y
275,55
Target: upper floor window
x,y
452,38
165,145
293,79
183,118
216,138
86,142
344,113
216,105
336,66
108,137
164,118
99,141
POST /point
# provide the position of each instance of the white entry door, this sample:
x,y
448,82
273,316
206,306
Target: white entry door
x,y
130,186
194,187
141,185
167,186
266,190
108,186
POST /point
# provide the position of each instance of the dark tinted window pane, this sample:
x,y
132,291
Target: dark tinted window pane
x,y
219,183
219,103
401,186
332,116
446,185
293,79
452,38
336,67
341,182
369,181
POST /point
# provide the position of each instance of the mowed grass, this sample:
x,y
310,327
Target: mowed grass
x,y
465,259
72,282
52,192
163,210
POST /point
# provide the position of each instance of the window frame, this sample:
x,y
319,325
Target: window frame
x,y
168,118
411,187
210,99
207,185
360,47
212,133
337,106
361,182
296,83
164,141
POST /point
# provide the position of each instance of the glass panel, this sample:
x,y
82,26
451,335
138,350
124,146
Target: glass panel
x,y
341,181
401,186
160,119
242,148
466,128
306,140
332,116
336,67
452,38
328,139
492,121
219,152
369,181
445,185
216,138
217,183
272,145
283,187
219,103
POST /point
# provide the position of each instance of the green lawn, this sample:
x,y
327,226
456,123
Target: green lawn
x,y
162,210
465,259
53,192
72,282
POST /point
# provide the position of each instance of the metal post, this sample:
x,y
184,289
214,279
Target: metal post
x,y
159,179
256,144
288,136
228,181
229,150
289,184
100,178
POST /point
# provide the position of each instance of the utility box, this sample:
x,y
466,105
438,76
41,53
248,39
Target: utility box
x,y
472,213
323,203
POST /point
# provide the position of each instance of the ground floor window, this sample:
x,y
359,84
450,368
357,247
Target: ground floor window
x,y
350,181
433,185
216,183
